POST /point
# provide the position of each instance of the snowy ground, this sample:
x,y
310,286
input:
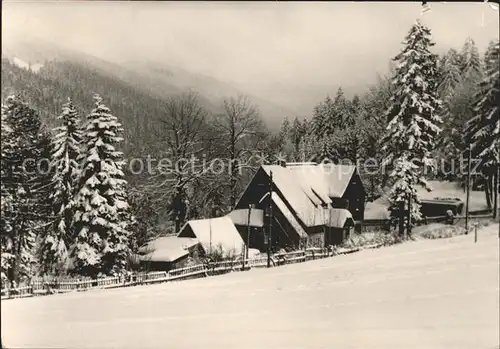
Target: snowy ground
x,y
422,295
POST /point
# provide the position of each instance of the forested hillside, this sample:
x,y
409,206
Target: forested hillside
x,y
154,77
49,88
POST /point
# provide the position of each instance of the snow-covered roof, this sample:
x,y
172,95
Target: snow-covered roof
x,y
166,249
328,179
339,217
213,232
288,215
240,217
309,188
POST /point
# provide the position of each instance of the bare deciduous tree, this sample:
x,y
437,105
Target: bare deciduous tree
x,y
241,130
181,133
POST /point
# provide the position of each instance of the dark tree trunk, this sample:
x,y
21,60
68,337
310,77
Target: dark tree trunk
x,y
496,188
488,191
234,182
401,218
18,257
177,224
372,183
233,174
409,223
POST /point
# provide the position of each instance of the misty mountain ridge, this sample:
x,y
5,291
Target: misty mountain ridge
x,y
157,78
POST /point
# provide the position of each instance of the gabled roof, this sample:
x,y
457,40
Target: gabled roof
x,y
339,217
240,217
166,249
328,179
309,188
213,232
288,215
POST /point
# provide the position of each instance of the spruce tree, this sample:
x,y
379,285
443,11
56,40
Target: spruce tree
x,y
332,115
342,116
101,241
456,103
482,131
297,132
307,147
413,118
64,162
285,138
470,61
450,74
6,243
322,115
284,128
23,185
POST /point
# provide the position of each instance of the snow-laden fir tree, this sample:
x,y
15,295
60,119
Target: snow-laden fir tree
x,y
331,115
470,61
325,150
7,143
64,162
323,116
287,147
482,131
22,186
296,133
285,129
307,147
101,218
450,74
413,118
343,110
455,96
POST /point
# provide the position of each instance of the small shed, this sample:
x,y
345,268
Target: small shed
x,y
166,253
213,233
339,227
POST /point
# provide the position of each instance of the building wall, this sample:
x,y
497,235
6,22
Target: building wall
x,y
256,189
333,236
283,235
355,197
256,236
165,266
316,239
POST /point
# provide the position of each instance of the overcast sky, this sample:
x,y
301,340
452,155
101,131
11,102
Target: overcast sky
x,y
251,43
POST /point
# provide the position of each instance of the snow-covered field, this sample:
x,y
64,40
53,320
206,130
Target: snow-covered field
x,y
422,295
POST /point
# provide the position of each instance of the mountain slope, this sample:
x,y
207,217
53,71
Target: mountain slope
x,y
155,78
49,89
212,89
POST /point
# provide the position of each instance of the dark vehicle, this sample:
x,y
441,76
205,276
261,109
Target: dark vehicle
x,y
439,207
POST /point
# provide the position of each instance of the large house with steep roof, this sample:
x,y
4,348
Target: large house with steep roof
x,y
312,204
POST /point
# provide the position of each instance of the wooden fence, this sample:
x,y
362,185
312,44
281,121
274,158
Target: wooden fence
x,y
46,286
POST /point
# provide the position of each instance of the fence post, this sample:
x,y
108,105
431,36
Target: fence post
x,y
270,222
468,192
